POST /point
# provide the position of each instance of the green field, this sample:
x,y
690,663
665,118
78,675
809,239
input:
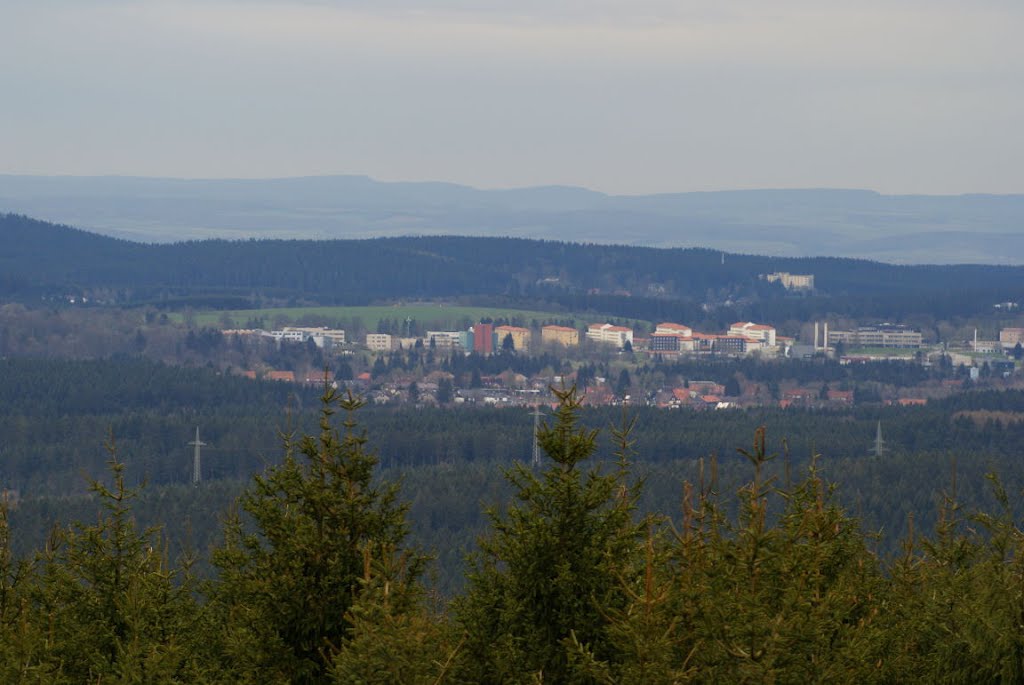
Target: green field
x,y
880,351
444,317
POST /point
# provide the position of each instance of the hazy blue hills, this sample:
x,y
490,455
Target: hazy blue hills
x,y
978,229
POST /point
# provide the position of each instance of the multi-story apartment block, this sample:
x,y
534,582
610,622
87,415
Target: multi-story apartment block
x,y
791,281
520,336
379,342
447,341
882,335
736,344
758,331
670,343
562,335
1009,337
483,338
608,334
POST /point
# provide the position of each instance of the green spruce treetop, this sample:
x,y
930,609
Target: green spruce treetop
x,y
319,522
549,572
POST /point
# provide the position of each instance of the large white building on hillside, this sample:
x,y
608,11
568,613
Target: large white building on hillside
x,y
791,281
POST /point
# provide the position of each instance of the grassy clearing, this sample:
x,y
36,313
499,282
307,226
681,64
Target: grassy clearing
x,y
444,317
879,352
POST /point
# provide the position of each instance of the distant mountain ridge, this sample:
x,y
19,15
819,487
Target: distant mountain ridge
x,y
976,229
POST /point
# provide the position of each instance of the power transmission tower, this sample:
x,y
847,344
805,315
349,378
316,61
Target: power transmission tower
x,y
535,462
197,472
879,448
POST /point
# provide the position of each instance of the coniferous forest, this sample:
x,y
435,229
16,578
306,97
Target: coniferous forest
x,y
761,575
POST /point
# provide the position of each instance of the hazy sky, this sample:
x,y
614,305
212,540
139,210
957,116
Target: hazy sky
x,y
625,96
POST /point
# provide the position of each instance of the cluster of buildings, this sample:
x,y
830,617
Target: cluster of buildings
x,y
668,339
323,337
482,338
742,338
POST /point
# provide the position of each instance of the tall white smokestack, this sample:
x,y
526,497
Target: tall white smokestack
x,y
825,342
815,336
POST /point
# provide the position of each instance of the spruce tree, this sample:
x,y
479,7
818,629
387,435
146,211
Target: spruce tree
x,y
22,640
111,608
288,582
546,577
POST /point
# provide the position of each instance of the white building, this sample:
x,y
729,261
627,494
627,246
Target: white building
x,y
378,342
444,340
791,281
673,329
321,337
608,334
763,333
882,335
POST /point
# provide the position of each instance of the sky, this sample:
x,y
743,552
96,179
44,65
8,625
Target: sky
x,y
622,96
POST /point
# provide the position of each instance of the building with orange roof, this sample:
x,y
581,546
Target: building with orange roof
x,y
287,376
763,333
673,329
520,336
561,335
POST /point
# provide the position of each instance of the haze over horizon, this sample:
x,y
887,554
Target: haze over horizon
x,y
627,98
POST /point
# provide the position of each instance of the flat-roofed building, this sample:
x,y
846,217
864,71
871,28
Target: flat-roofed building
x,y
321,337
882,335
608,334
736,344
447,341
378,342
483,338
562,335
662,343
520,336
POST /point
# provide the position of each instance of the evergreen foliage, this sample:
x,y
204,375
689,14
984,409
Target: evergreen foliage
x,y
287,587
549,572
571,584
108,606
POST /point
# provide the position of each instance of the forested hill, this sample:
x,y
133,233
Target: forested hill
x,y
38,258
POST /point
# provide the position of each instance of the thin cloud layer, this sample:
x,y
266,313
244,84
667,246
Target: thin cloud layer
x,y
634,96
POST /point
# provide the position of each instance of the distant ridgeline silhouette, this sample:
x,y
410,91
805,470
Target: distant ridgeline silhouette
x,y
43,260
